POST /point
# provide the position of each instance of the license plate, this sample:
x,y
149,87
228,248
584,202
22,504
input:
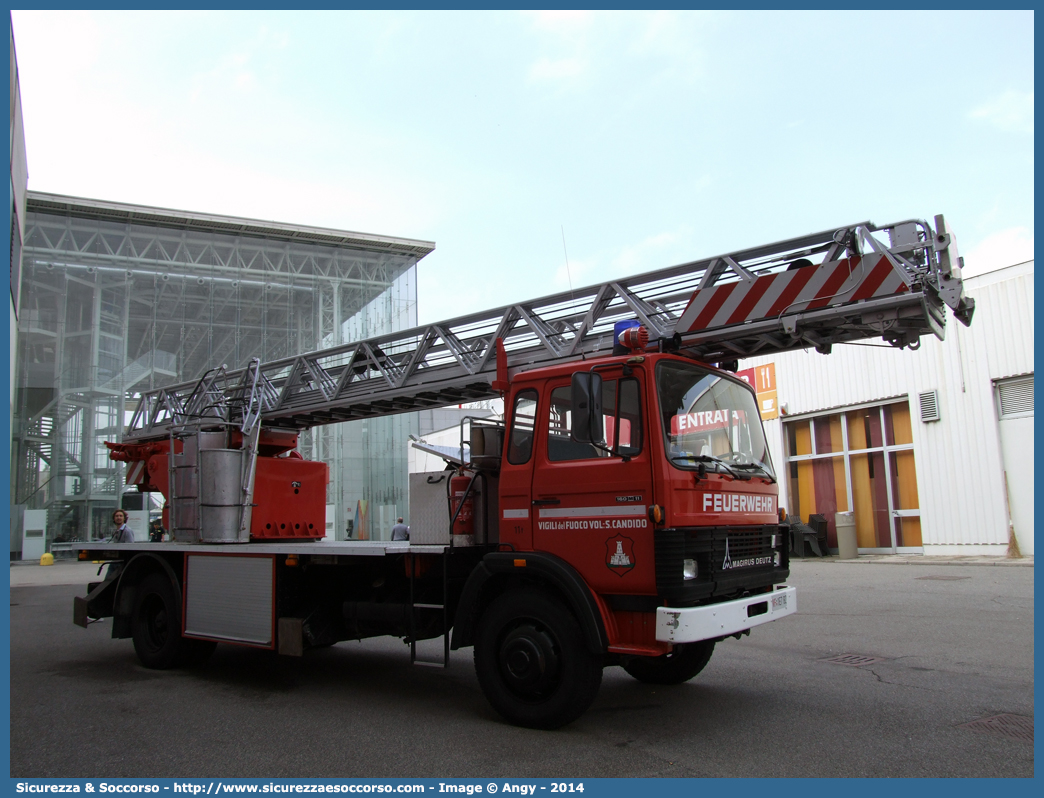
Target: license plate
x,y
779,602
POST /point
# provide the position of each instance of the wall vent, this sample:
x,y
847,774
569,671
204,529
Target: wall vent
x,y
1016,397
929,406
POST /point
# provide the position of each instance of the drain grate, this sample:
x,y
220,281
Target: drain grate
x,y
943,578
855,660
1016,727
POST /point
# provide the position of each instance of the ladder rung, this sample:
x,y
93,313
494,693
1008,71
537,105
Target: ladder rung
x,y
444,662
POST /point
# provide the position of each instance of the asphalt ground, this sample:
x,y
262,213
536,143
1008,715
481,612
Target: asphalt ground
x,y
952,645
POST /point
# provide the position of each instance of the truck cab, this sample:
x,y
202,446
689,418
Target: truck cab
x,y
643,484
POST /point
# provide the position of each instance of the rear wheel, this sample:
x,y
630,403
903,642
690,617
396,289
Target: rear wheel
x,y
680,665
532,663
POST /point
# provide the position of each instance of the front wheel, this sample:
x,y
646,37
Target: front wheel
x,y
680,665
532,663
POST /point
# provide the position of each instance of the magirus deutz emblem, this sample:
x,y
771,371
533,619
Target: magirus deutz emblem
x,y
743,562
619,554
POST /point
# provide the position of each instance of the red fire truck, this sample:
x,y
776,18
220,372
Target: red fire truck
x,y
625,512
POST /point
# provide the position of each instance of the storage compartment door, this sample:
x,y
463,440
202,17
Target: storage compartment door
x,y
230,598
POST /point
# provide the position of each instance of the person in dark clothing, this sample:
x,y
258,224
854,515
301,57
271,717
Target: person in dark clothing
x,y
400,531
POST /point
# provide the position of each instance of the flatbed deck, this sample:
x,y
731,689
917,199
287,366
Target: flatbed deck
x,y
354,548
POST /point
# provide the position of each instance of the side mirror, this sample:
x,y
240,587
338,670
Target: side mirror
x,y
586,394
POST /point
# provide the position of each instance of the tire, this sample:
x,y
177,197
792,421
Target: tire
x,y
532,662
682,664
156,624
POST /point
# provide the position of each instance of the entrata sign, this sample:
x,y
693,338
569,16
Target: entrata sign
x,y
705,421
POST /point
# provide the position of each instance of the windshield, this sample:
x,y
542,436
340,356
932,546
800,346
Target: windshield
x,y
711,420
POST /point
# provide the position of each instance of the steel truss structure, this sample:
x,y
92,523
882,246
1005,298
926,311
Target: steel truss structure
x,y
861,281
118,300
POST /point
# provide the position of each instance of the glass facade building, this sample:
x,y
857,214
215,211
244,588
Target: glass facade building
x,y
117,299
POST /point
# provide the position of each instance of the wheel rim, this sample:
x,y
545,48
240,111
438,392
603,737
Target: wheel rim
x,y
154,618
529,661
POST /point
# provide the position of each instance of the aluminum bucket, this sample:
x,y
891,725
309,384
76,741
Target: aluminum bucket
x,y
221,477
221,524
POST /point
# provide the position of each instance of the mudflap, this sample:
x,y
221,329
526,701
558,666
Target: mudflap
x,y
99,601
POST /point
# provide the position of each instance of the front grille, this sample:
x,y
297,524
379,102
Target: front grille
x,y
729,560
740,546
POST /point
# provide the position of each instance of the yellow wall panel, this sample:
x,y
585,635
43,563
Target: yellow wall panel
x,y
864,502
836,439
840,490
856,431
803,438
911,532
806,490
901,423
907,482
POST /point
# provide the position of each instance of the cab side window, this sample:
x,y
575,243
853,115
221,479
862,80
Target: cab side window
x,y
559,445
624,415
523,419
628,419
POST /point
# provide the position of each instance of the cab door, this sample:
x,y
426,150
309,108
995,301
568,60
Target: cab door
x,y
591,504
516,471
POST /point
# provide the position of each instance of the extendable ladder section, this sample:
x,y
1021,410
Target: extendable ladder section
x,y
861,281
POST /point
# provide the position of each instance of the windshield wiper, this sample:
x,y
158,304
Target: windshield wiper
x,y
708,458
758,466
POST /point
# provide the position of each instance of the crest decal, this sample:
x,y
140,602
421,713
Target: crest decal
x,y
619,554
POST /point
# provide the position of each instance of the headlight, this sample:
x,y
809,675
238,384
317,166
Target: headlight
x,y
689,570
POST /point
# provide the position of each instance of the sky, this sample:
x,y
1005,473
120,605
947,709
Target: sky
x,y
543,150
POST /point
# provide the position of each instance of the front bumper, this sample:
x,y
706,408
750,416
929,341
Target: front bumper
x,y
709,622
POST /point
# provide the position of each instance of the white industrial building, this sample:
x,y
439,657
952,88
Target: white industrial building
x,y
932,449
